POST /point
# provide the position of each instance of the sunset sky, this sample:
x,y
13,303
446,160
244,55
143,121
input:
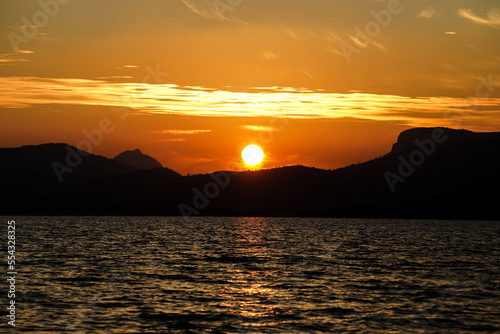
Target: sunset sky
x,y
320,83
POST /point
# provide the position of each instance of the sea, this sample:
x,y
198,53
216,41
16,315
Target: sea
x,y
255,275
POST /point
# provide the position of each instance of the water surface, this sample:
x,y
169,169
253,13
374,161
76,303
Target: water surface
x,y
256,275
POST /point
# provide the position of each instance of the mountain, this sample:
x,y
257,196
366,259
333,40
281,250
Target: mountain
x,y
429,173
29,173
137,160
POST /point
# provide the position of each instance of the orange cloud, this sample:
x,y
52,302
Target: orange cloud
x,y
259,128
177,132
280,102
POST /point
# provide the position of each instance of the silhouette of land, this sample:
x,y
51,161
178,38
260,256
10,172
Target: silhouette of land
x,y
137,160
434,173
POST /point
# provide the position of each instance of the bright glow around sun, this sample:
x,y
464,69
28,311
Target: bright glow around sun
x,y
252,155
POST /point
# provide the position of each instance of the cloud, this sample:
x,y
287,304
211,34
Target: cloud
x,y
177,132
259,128
362,44
116,77
14,57
126,67
269,55
428,13
492,19
281,102
24,52
214,9
379,46
171,140
4,61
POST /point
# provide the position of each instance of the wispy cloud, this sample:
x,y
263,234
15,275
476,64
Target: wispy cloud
x,y
175,140
492,19
428,13
14,57
268,54
11,60
177,132
380,46
259,128
116,77
23,52
362,44
213,10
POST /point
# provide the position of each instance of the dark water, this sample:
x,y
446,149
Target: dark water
x,y
256,275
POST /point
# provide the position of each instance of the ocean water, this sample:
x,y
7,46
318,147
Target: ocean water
x,y
256,275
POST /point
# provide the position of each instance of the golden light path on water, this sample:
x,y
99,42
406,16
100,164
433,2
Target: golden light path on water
x,y
20,92
250,295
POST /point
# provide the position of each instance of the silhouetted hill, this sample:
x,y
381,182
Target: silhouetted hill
x,y
406,139
30,172
430,172
137,160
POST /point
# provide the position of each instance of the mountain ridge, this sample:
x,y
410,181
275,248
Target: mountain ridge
x,y
455,166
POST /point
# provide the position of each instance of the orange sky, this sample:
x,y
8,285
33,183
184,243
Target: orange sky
x,y
322,83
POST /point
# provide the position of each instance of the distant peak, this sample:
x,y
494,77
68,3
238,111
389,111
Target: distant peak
x,y
136,151
137,159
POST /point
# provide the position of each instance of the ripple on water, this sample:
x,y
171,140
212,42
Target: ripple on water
x,y
235,275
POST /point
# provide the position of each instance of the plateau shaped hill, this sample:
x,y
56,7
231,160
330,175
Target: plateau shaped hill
x,y
406,139
138,160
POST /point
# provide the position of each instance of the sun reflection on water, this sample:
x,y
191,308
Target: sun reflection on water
x,y
252,295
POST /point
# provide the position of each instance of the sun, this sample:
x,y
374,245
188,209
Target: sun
x,y
252,155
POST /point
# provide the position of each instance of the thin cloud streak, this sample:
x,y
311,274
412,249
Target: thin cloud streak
x,y
177,132
175,140
13,57
492,19
259,128
212,10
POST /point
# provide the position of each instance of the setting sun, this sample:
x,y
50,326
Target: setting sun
x,y
252,155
